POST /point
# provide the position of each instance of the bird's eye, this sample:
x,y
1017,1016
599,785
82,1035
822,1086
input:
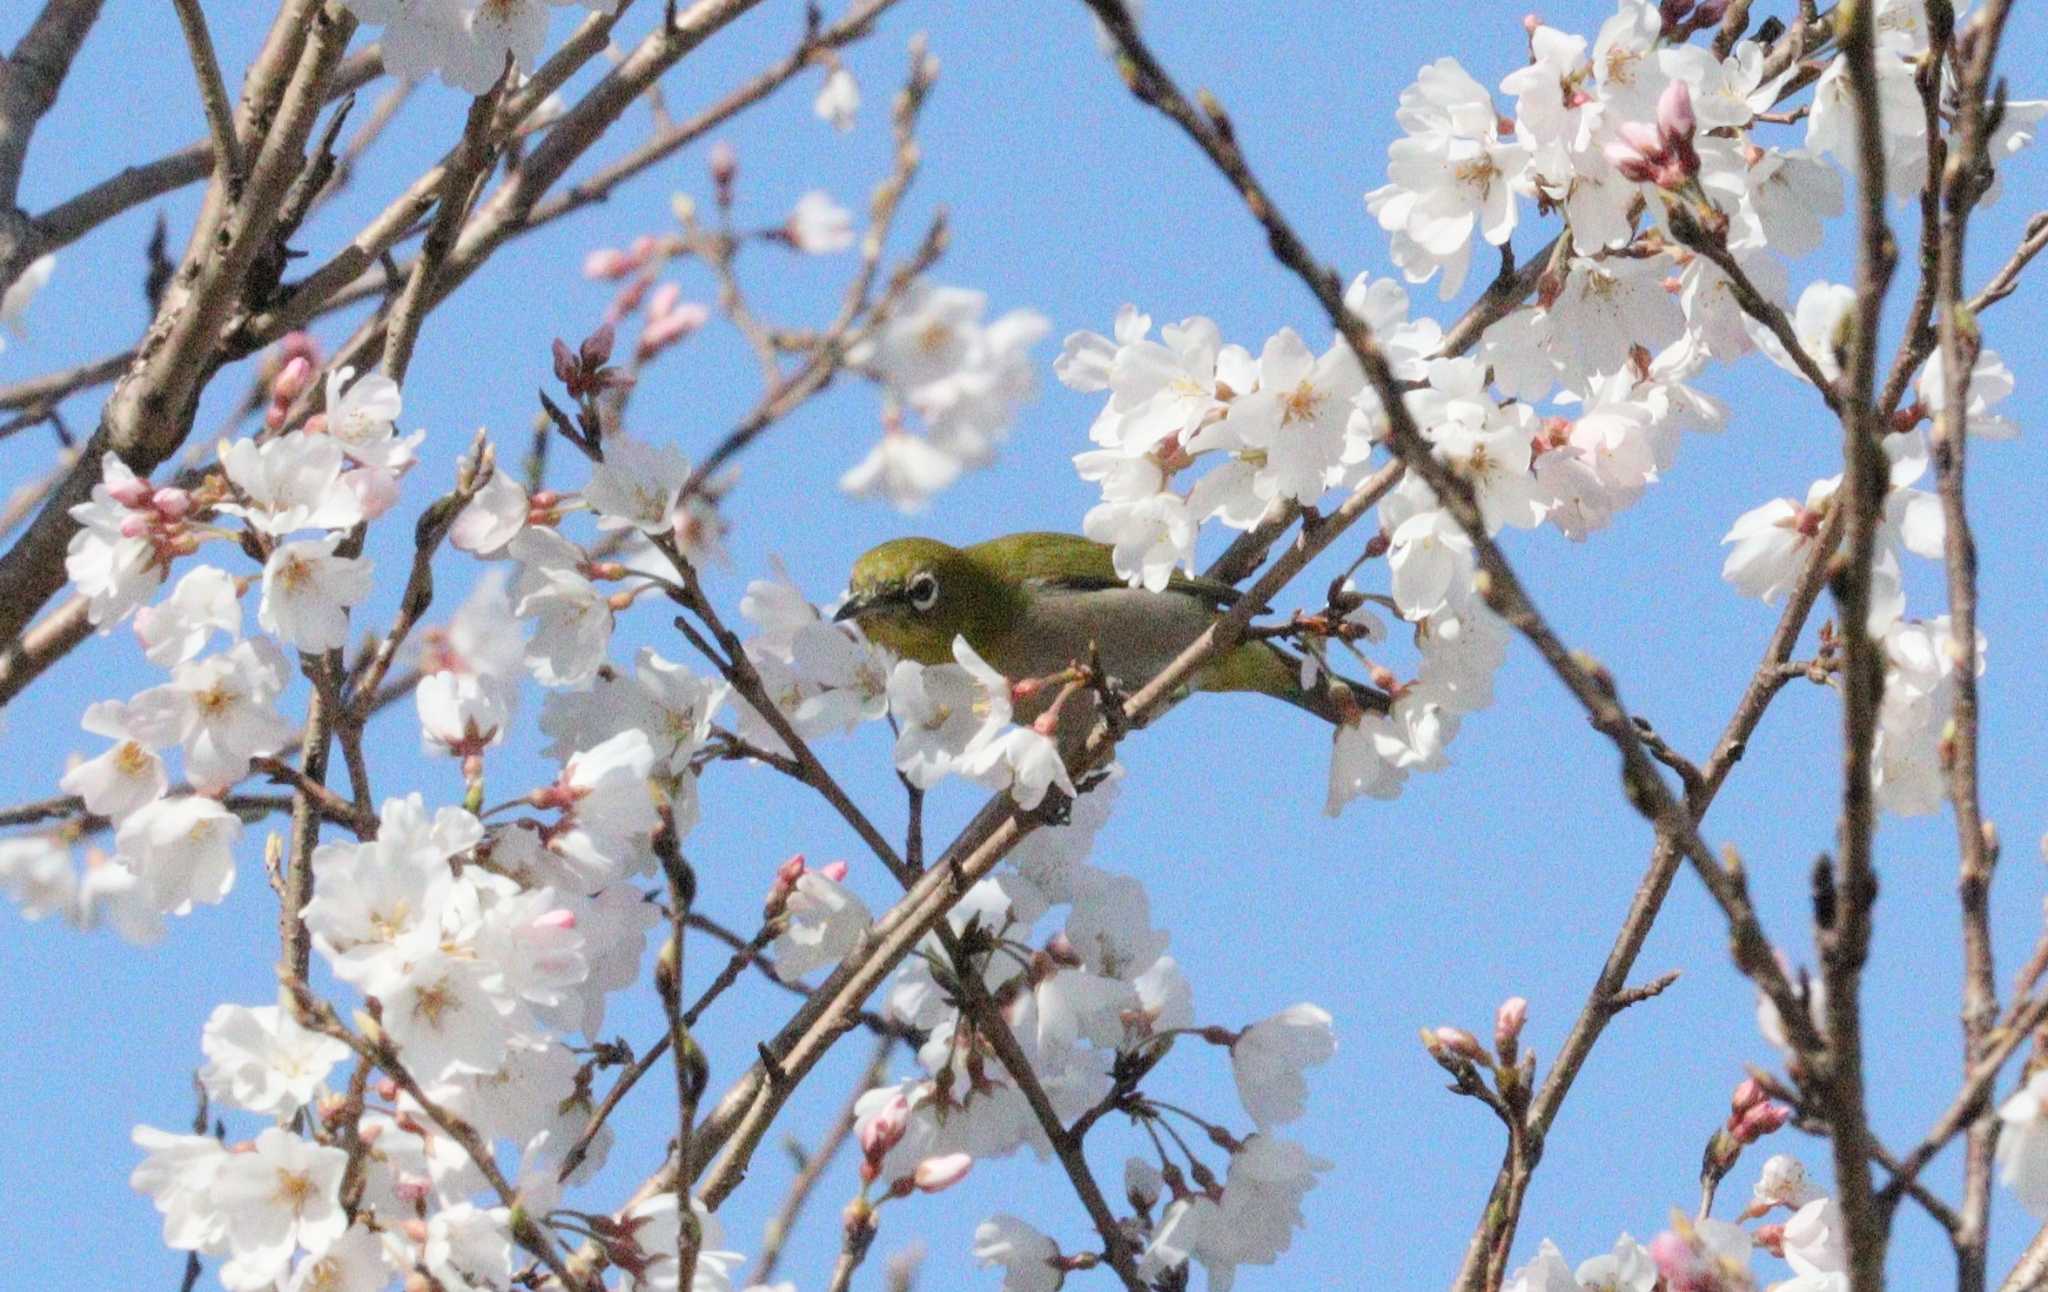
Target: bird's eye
x,y
924,592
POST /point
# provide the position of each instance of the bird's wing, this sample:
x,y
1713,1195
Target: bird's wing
x,y
1072,563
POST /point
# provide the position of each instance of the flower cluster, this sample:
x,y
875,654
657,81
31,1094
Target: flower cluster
x,y
960,377
1064,956
1706,1255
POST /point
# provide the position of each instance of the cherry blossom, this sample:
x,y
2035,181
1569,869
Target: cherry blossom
x,y
1453,174
182,849
307,591
1030,1260
282,1195
1268,1057
262,1060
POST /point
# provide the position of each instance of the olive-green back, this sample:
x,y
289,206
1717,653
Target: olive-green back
x,y
1051,559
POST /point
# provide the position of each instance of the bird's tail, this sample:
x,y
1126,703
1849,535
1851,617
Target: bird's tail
x,y
1263,667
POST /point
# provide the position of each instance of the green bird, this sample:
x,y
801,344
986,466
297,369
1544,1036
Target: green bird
x,y
1033,604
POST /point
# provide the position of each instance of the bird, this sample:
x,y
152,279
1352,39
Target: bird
x,y
1033,604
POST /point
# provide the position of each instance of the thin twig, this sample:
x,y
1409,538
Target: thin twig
x,y
213,94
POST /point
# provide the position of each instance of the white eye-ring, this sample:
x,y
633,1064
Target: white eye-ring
x,y
924,591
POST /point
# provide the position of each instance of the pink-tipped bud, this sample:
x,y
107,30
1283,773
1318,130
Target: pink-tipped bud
x,y
725,163
559,919
133,492
1508,1022
664,329
834,871
1460,1042
1761,1121
1675,119
790,871
291,380
171,503
1643,138
1747,1095
1674,1258
665,298
943,1172
1530,22
1632,165
135,527
884,1131
608,262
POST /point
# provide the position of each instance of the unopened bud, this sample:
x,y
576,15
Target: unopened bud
x,y
291,380
1508,1022
1460,1042
935,1174
1747,1095
1761,1121
133,492
725,163
608,262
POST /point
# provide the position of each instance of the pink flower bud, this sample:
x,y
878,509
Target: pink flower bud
x,y
291,380
171,503
1761,1121
834,871
561,918
608,262
790,871
135,527
1630,163
664,330
1643,138
1673,1257
665,298
1509,1020
645,248
1460,1042
725,163
942,1172
1747,1096
133,492
884,1131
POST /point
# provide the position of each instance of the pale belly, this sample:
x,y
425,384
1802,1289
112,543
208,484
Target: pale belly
x,y
1138,633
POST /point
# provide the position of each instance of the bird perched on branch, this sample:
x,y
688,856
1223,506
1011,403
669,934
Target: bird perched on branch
x,y
1035,604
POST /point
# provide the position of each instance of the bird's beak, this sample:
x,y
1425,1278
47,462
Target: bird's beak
x,y
853,607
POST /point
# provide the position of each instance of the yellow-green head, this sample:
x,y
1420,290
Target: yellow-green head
x,y
915,595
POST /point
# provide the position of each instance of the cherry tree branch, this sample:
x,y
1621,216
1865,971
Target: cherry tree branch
x,y
213,95
1962,179
30,79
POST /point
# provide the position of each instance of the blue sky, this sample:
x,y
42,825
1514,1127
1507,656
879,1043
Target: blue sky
x,y
1504,875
